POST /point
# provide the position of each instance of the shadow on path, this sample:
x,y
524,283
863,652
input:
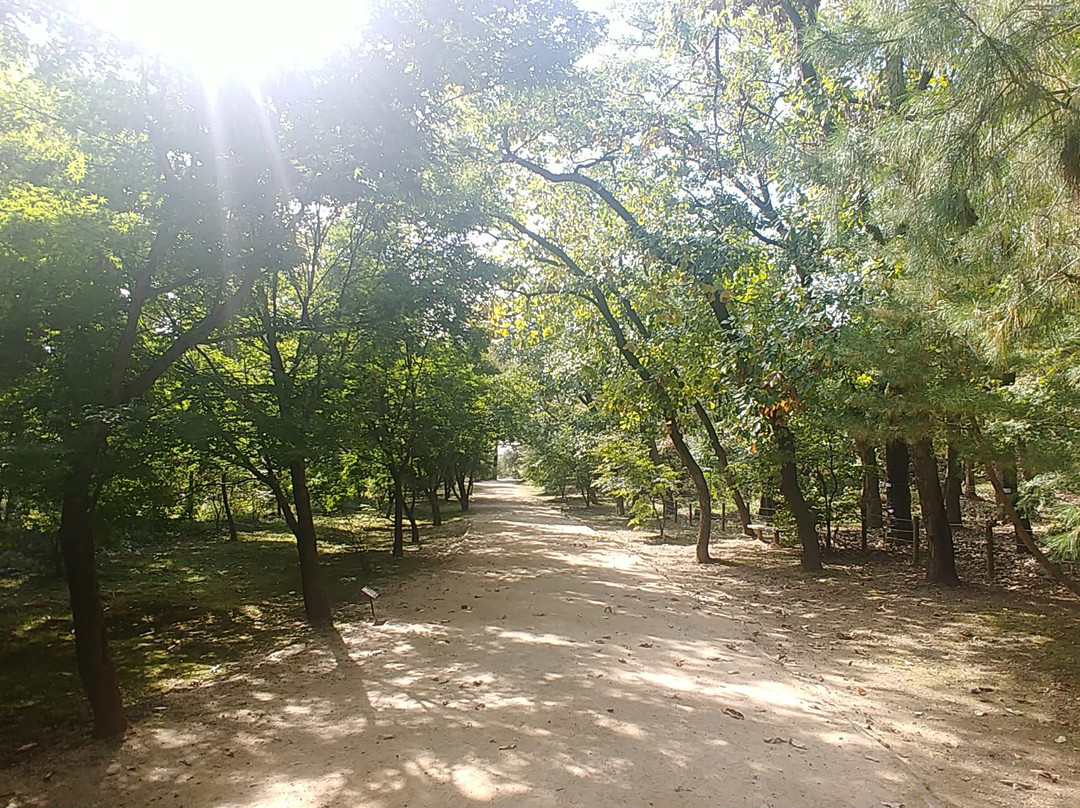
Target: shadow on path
x,y
536,666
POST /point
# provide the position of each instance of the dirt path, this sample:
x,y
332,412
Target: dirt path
x,y
536,666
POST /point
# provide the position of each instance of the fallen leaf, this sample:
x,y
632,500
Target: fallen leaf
x,y
1060,739
508,746
776,740
797,744
1053,778
644,645
980,689
733,713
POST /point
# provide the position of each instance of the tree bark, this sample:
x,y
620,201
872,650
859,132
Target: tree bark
x,y
953,486
436,509
723,468
233,536
969,480
871,485
796,502
898,489
1054,570
701,488
316,602
398,550
941,563
189,498
464,490
96,669
1010,482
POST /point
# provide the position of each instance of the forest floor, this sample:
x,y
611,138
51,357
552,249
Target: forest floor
x,y
538,660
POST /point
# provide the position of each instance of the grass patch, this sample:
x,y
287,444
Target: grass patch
x,y
181,606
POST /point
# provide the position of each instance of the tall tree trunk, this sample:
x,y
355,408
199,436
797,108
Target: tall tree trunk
x,y
723,467
233,536
96,669
701,487
953,486
898,489
316,602
871,484
398,549
941,563
796,502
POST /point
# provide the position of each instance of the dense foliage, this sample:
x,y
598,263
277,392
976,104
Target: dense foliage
x,y
761,250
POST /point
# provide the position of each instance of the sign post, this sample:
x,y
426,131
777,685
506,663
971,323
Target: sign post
x,y
372,596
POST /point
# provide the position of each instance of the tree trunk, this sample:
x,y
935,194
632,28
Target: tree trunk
x,y
871,485
189,498
953,487
316,602
398,549
96,669
723,468
969,480
1010,482
233,536
701,487
898,489
941,564
796,502
464,490
1055,571
436,509
620,506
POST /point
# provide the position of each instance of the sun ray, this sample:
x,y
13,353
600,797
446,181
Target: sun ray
x,y
226,40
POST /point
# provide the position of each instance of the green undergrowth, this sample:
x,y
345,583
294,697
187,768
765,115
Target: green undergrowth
x,y
181,605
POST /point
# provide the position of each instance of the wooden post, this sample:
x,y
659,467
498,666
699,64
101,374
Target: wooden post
x,y
915,539
990,550
723,515
862,526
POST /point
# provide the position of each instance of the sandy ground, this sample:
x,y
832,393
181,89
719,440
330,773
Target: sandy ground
x,y
536,664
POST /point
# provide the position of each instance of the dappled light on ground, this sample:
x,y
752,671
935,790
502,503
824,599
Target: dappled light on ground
x,y
538,665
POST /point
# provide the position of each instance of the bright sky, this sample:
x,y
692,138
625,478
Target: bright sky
x,y
232,38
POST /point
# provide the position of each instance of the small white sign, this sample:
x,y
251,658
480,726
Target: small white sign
x,y
371,593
